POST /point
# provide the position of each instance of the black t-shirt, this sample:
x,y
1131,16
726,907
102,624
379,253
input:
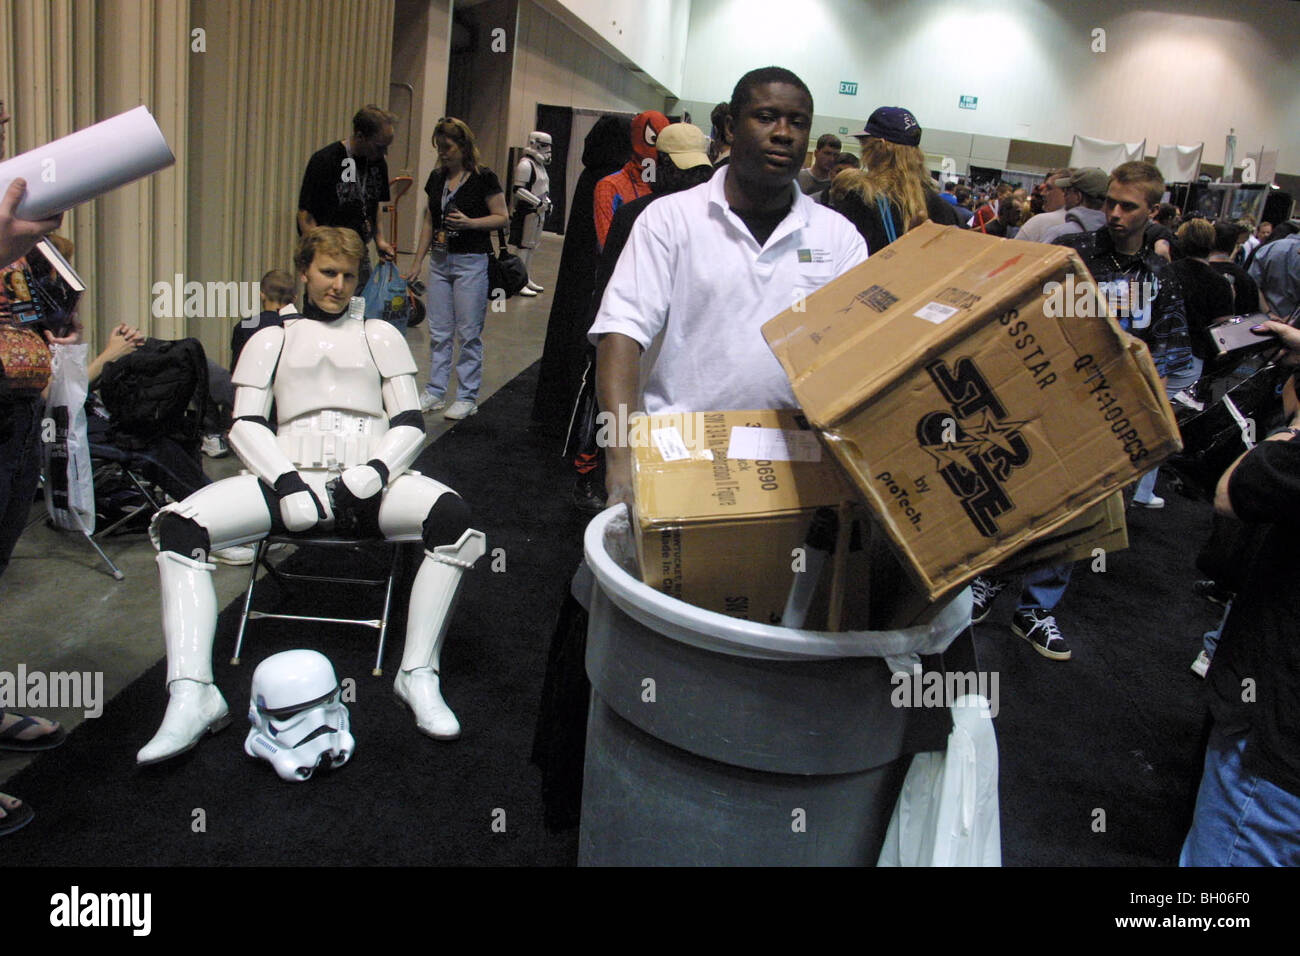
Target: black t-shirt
x,y
867,220
1258,657
1207,297
336,197
1245,290
1154,232
471,198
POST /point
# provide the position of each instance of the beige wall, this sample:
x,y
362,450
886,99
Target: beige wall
x,y
556,67
421,41
263,98
65,65
481,79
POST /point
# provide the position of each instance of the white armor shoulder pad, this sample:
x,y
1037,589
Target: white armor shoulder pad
x,y
391,354
257,361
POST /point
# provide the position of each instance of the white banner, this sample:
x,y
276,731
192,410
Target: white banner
x,y
1104,154
1180,164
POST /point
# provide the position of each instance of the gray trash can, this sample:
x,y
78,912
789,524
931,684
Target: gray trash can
x,y
717,741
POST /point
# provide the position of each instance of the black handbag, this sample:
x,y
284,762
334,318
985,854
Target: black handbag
x,y
1212,439
506,270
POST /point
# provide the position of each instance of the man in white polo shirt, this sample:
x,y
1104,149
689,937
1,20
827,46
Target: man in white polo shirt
x,y
679,327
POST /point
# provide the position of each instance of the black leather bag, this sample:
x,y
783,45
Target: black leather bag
x,y
1212,439
506,270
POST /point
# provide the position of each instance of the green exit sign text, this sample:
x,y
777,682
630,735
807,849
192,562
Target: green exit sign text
x,y
848,89
968,102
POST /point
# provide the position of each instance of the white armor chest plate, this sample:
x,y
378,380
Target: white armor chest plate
x,y
541,187
542,184
327,394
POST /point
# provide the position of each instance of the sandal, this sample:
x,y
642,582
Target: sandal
x,y
14,817
9,739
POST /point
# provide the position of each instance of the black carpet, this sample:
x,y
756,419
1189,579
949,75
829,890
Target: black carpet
x,y
1100,755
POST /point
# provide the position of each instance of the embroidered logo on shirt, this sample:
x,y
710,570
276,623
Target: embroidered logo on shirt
x,y
813,255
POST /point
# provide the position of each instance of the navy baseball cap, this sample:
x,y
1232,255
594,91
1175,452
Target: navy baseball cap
x,y
894,125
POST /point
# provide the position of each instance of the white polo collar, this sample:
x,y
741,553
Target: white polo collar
x,y
797,218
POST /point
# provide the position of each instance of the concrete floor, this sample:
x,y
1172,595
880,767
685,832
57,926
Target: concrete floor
x,y
62,609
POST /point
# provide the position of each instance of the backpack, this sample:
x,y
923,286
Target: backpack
x,y
159,389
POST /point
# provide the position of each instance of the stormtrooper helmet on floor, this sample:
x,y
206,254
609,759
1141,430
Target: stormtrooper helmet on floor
x,y
297,715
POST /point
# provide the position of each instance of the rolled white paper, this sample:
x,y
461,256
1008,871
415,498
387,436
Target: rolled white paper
x,y
88,163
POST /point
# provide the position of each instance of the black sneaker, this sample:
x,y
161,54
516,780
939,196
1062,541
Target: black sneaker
x,y
589,494
1039,628
984,590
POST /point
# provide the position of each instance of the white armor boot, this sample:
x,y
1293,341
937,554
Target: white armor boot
x,y
433,599
196,706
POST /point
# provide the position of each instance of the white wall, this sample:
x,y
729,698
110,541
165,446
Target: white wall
x,y
651,34
1172,72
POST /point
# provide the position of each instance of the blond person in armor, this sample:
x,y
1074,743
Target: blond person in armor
x,y
349,427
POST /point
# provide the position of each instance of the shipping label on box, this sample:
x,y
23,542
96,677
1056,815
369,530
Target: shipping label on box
x,y
723,505
968,399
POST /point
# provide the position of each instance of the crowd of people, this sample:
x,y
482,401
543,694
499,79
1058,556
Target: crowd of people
x,y
679,247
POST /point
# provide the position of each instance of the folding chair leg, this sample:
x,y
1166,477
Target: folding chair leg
x,y
248,601
117,575
378,670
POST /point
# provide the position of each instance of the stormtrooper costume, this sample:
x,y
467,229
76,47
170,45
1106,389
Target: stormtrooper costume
x,y
531,201
349,428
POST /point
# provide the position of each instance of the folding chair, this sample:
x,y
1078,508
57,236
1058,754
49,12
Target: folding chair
x,y
282,577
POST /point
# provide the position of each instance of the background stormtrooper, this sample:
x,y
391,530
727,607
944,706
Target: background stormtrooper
x,y
348,409
531,202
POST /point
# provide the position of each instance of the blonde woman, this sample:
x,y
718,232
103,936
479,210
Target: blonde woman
x,y
893,191
466,204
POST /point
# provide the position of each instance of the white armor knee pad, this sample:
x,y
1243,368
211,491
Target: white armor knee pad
x,y
471,546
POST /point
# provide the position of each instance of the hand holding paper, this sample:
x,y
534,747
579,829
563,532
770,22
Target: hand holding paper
x,y
86,164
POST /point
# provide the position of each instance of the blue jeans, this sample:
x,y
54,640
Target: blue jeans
x,y
457,305
1240,819
1045,587
1146,486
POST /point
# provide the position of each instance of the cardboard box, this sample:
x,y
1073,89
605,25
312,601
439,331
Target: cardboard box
x,y
717,521
969,412
1101,526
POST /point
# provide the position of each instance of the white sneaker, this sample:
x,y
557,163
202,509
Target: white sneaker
x,y
460,408
235,555
432,403
534,286
1201,664
527,293
1155,502
214,446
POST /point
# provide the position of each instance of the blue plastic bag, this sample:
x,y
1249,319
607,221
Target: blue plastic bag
x,y
387,296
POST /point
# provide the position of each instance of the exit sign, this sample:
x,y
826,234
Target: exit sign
x,y
968,102
848,89
843,130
